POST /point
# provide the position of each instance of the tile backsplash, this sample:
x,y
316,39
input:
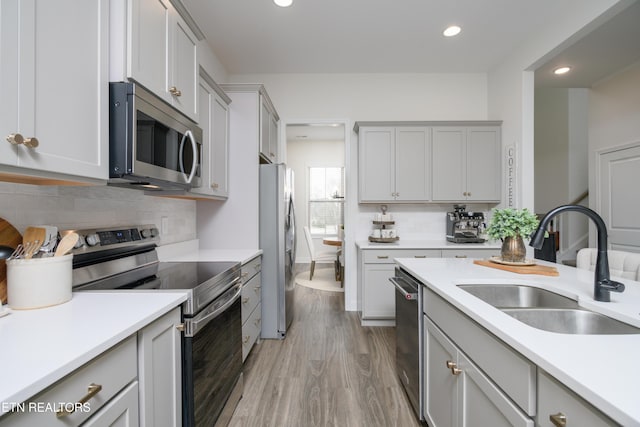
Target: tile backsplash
x,y
414,221
95,206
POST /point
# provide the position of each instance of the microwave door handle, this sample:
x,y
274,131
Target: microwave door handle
x,y
194,147
194,163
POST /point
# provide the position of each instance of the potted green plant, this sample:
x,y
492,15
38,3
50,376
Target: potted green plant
x,y
510,226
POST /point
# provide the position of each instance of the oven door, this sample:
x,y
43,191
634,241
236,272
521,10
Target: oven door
x,y
212,359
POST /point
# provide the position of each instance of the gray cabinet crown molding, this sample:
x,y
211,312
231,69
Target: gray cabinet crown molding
x,y
358,125
184,13
252,87
215,86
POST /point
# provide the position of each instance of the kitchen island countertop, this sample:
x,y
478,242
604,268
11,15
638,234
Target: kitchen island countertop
x,y
39,347
602,369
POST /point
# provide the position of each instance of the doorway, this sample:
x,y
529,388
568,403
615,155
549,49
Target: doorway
x,y
316,151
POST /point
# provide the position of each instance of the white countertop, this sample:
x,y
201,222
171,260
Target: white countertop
x,y
39,347
603,369
189,251
426,244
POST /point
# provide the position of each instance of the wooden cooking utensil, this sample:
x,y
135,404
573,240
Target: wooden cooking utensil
x,y
9,236
66,244
34,237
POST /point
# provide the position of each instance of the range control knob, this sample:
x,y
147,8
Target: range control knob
x,y
79,243
148,233
92,239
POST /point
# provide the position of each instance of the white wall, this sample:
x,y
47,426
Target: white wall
x,y
561,166
100,206
511,83
614,120
301,155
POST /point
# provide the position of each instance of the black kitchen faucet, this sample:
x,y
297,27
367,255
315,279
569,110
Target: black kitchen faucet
x,y
602,283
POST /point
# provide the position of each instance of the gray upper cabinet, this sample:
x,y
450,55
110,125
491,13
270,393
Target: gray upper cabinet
x,y
466,164
268,130
394,164
214,121
160,52
418,162
54,111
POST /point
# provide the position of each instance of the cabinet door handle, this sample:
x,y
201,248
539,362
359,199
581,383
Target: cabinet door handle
x,y
18,139
92,390
383,256
461,256
174,91
245,300
558,420
454,367
419,256
246,339
214,185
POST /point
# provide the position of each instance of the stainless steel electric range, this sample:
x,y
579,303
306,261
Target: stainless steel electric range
x,y
125,258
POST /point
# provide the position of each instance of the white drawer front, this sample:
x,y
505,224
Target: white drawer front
x,y
251,331
112,371
251,268
470,253
386,256
250,296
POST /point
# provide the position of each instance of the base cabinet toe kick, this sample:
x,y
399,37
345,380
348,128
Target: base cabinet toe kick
x,y
472,377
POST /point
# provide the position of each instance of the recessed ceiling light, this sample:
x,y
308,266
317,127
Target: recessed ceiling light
x,y
561,70
283,3
451,31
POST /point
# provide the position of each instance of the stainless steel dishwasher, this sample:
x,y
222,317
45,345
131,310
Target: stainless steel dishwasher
x,y
409,336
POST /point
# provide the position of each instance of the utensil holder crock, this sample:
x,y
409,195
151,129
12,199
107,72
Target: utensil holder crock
x,y
39,282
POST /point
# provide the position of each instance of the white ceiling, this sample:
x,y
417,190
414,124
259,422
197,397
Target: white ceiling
x,y
369,36
607,49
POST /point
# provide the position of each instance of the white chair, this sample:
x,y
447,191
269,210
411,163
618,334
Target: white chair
x,y
621,264
320,256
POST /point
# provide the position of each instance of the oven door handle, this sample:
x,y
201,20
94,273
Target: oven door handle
x,y
202,319
407,295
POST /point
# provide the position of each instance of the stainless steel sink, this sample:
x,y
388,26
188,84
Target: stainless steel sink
x,y
570,321
518,296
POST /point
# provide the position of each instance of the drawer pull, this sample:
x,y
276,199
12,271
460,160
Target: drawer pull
x,y
454,368
419,256
245,300
257,322
244,275
175,91
246,339
461,256
92,390
558,420
257,288
383,256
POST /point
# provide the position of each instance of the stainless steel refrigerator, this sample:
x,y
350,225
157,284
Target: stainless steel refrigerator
x,y
278,244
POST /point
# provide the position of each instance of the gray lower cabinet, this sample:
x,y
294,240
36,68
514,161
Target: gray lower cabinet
x,y
458,393
251,304
378,302
376,266
474,379
160,372
137,382
559,406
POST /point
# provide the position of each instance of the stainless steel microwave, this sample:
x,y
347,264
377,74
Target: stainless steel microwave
x,y
152,146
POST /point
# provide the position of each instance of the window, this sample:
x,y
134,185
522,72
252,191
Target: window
x,y
326,200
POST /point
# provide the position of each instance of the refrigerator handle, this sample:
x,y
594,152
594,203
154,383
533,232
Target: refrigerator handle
x,y
292,225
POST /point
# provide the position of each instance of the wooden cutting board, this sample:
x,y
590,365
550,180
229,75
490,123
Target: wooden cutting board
x,y
9,236
529,269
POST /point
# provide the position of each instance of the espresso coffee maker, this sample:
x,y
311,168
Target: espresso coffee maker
x,y
463,226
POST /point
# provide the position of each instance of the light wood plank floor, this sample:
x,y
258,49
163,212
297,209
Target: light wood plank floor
x,y
328,371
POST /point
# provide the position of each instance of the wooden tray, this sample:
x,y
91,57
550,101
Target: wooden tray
x,y
530,269
9,236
